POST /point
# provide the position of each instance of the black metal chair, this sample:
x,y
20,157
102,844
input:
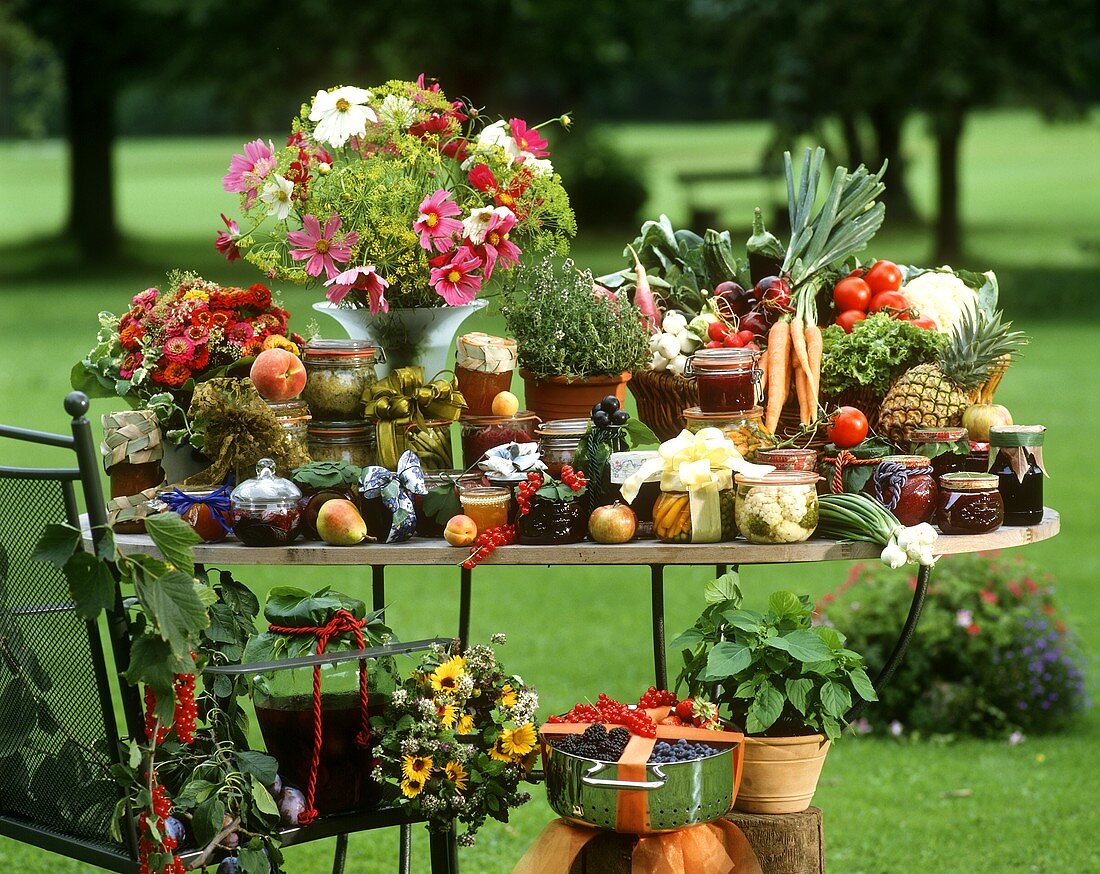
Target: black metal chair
x,y
61,699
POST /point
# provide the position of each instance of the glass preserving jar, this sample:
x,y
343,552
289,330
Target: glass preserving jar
x,y
353,441
779,507
479,434
265,510
905,486
552,522
672,518
726,379
969,503
337,374
1018,464
483,368
978,460
946,448
487,505
294,418
432,443
788,459
212,524
428,526
558,442
744,429
132,452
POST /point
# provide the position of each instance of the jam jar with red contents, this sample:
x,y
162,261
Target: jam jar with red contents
x,y
904,485
482,433
205,510
969,503
788,459
1018,465
946,448
551,521
726,379
558,442
483,369
265,510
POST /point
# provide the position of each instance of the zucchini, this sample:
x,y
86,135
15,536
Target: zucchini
x,y
719,258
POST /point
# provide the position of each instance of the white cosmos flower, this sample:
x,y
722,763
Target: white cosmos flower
x,y
498,134
397,111
538,166
276,194
341,114
476,223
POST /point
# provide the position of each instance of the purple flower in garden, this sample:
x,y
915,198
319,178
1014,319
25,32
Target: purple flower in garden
x,y
964,618
247,171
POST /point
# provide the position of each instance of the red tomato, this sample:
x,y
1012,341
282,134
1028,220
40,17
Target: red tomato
x,y
883,276
925,323
889,300
852,293
847,319
848,428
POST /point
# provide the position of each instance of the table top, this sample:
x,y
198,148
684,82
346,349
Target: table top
x,y
422,551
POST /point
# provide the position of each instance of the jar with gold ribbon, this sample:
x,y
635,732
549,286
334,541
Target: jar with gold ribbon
x,y
412,414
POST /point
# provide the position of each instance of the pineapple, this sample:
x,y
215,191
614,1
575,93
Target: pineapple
x,y
936,395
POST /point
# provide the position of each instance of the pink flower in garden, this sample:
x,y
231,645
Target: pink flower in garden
x,y
241,333
528,139
247,171
362,279
146,299
179,349
435,223
973,628
988,596
129,364
323,250
454,281
496,245
423,87
226,241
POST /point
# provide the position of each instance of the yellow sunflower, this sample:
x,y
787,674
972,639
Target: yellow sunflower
x,y
518,742
496,751
416,768
508,696
457,775
465,724
445,677
447,714
411,787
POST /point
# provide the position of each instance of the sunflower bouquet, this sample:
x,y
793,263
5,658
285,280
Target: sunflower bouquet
x,y
458,738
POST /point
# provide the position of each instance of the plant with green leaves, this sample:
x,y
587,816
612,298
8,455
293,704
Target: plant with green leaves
x,y
774,673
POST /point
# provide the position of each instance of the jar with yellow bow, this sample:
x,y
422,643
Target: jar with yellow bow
x,y
412,414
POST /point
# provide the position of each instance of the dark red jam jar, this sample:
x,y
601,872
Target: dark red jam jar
x,y
969,503
905,486
553,522
726,379
946,448
1016,453
265,510
482,433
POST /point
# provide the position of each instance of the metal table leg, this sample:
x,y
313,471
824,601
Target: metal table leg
x,y
464,596
341,855
443,846
378,586
404,853
657,598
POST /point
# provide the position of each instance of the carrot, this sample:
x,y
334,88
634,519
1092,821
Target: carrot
x,y
779,377
815,345
802,392
643,297
798,343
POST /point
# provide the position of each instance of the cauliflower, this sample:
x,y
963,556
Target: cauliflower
x,y
941,297
767,514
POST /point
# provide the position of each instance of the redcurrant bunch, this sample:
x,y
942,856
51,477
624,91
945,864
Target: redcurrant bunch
x,y
573,478
581,713
487,541
654,697
151,718
525,491
186,709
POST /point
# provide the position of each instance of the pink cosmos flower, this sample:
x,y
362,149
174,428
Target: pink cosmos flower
x,y
362,279
323,250
179,349
496,245
435,223
248,171
528,139
420,83
226,241
454,281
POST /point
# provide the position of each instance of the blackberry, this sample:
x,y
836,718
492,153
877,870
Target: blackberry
x,y
619,735
595,733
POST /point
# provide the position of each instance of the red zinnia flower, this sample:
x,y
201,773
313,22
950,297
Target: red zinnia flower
x,y
988,596
173,374
219,319
200,359
261,295
241,332
973,629
130,336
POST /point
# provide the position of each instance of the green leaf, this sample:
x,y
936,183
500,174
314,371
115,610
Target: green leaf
x,y
260,765
797,692
107,549
831,637
785,605
804,645
727,659
835,698
638,433
207,820
91,584
261,797
174,538
725,588
293,607
746,620
173,605
764,709
56,544
747,689
862,684
153,663
442,503
327,474
687,639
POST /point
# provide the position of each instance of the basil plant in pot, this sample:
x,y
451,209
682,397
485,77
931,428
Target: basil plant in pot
x,y
576,344
782,680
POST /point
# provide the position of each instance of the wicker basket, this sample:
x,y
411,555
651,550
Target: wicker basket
x,y
662,398
863,399
788,427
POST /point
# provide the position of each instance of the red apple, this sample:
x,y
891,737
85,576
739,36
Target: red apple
x,y
278,375
613,523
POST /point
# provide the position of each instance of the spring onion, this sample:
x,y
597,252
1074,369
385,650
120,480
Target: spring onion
x,y
858,517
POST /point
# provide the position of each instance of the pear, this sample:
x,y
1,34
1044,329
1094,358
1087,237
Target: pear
x,y
339,523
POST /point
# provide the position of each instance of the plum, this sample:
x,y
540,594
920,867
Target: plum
x,y
228,865
176,830
276,788
610,404
620,417
291,805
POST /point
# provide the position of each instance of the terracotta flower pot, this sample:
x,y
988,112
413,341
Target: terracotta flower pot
x,y
557,397
781,773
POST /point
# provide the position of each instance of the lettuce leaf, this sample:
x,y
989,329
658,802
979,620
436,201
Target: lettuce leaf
x,y
878,350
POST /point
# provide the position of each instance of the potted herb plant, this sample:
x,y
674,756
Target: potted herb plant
x,y
782,680
577,344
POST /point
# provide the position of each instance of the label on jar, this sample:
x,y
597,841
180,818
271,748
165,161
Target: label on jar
x,y
624,464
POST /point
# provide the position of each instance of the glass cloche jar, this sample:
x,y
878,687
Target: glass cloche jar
x,y
265,509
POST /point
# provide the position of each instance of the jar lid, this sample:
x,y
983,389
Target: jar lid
x,y
764,452
352,428
778,478
317,349
457,477
937,435
963,481
485,353
749,415
486,421
563,428
485,494
1011,436
265,490
723,357
910,461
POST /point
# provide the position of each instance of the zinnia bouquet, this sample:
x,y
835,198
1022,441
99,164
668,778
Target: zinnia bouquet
x,y
155,353
458,738
396,196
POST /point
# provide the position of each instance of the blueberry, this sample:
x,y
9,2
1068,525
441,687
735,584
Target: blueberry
x,y
601,419
176,830
610,404
228,865
620,417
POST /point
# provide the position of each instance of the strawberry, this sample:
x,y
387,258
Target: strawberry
x,y
685,708
671,719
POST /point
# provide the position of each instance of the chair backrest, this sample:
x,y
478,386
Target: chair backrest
x,y
58,731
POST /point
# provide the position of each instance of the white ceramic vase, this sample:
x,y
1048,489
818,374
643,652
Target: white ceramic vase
x,y
417,335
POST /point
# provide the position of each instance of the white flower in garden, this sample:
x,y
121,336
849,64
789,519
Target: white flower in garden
x,y
964,619
341,114
477,223
1016,737
538,166
276,194
498,134
397,111
896,728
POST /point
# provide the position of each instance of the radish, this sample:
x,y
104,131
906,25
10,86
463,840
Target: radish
x,y
643,296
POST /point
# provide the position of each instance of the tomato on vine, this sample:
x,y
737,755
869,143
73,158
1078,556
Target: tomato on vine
x,y
848,427
883,276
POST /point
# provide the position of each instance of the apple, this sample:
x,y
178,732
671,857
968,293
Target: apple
x,y
505,404
612,523
278,375
460,531
339,523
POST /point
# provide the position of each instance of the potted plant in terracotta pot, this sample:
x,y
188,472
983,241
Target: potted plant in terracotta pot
x,y
782,680
577,344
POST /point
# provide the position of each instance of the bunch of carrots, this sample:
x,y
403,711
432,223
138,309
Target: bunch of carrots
x,y
793,358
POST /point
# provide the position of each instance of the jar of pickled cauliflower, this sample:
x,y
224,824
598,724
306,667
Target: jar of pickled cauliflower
x,y
779,507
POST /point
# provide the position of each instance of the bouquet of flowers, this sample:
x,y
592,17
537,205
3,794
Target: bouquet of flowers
x,y
154,354
396,196
458,738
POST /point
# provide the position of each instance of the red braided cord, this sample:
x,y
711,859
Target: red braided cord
x,y
842,458
342,622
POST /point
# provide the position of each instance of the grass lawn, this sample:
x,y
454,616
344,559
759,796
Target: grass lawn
x,y
890,806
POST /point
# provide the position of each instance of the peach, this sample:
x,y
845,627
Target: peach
x,y
505,404
278,375
339,523
460,531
